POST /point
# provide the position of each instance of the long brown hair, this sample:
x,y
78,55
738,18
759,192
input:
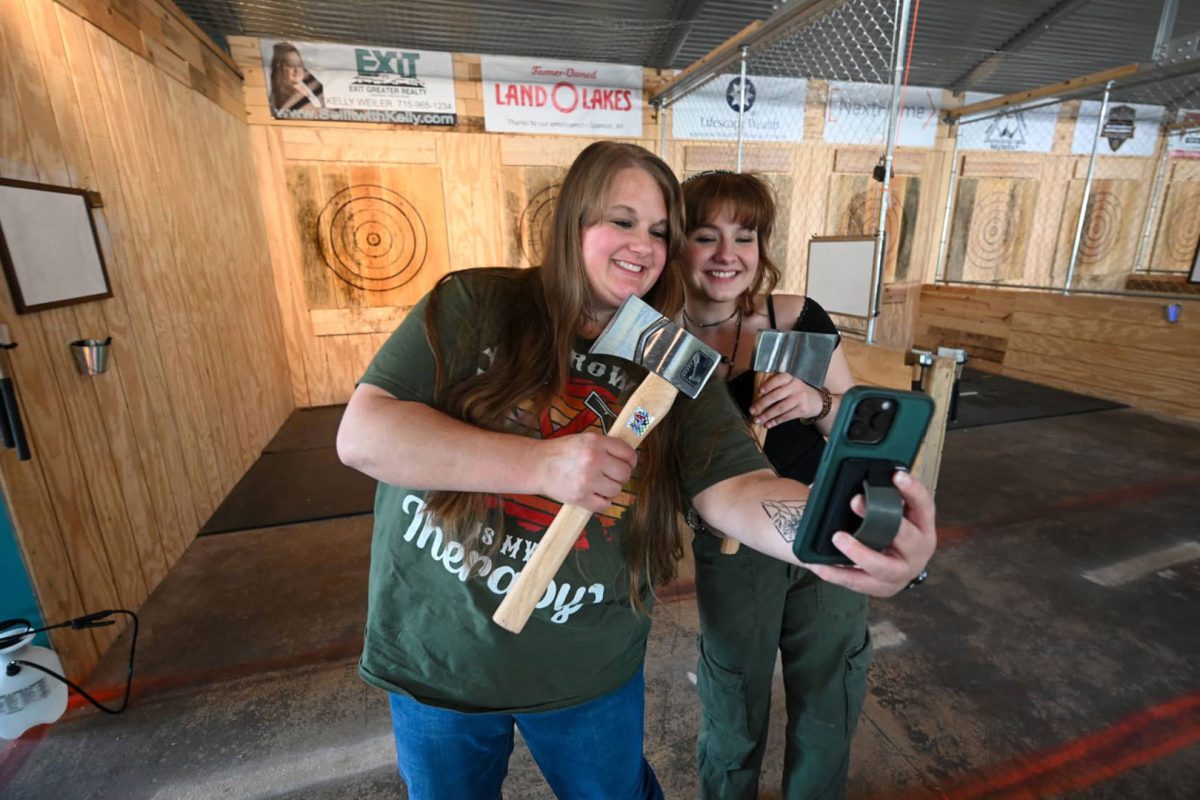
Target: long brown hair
x,y
543,311
281,88
749,200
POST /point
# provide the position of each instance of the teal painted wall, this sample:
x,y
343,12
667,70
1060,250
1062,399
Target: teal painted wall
x,y
16,592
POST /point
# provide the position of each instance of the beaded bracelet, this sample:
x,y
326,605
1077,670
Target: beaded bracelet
x,y
826,405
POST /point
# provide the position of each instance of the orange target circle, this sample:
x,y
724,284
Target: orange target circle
x,y
372,238
534,225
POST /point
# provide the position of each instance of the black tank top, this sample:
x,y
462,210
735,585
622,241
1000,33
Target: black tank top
x,y
793,448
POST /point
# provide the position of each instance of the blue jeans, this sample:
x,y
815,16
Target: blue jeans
x,y
592,751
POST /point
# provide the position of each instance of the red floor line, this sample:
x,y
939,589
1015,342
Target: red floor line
x,y
1178,719
950,535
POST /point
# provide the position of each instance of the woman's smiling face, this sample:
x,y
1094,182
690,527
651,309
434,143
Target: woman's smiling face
x,y
625,250
722,258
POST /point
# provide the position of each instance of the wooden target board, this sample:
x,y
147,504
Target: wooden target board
x,y
854,211
990,234
1108,247
371,236
1178,228
530,194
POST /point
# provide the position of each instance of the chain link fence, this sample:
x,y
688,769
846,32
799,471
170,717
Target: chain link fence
x,y
1096,193
808,106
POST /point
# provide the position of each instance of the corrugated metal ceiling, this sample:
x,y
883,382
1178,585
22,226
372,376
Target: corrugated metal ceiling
x,y
997,46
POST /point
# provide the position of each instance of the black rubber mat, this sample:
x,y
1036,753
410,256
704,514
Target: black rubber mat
x,y
293,486
307,429
987,399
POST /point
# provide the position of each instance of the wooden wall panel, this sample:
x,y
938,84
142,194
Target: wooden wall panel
x,y
1120,348
127,465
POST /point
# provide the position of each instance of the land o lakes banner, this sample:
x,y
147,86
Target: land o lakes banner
x,y
317,80
523,95
774,110
857,113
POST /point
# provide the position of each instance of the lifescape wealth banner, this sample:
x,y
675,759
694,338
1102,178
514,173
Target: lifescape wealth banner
x,y
318,80
774,110
574,98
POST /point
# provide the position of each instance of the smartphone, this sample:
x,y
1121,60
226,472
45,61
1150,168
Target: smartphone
x,y
876,430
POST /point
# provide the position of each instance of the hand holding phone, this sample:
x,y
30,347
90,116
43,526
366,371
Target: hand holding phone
x,y
876,431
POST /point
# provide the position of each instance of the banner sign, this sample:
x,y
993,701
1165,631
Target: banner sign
x,y
1185,143
774,110
574,98
857,113
318,80
1128,129
1013,131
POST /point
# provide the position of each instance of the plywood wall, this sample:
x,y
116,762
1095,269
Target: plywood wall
x,y
460,198
128,465
1119,348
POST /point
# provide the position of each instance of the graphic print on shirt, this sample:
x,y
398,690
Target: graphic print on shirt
x,y
586,404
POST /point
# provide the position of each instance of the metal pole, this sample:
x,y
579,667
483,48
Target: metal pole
x,y
1166,24
1087,188
741,107
1104,292
894,114
1157,196
662,131
950,196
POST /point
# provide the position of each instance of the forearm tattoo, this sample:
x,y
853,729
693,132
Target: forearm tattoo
x,y
785,516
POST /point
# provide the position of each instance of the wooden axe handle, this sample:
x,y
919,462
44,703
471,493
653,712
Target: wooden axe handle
x,y
651,402
729,546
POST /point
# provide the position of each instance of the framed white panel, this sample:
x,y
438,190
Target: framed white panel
x,y
1195,276
841,270
48,246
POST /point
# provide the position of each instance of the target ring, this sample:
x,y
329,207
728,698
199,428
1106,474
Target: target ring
x,y
1101,227
372,238
1184,228
993,231
534,226
862,219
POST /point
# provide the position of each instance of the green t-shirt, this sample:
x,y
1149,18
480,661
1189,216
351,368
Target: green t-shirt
x,y
429,628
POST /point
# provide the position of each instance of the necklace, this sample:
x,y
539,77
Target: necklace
x,y
735,313
737,338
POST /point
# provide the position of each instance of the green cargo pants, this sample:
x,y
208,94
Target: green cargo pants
x,y
751,607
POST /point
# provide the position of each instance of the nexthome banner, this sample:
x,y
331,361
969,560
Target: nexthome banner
x,y
531,95
317,80
857,113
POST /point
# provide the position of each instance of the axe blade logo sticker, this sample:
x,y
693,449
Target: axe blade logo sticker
x,y
639,421
595,403
697,369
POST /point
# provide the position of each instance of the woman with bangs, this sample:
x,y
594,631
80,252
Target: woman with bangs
x,y
480,416
753,608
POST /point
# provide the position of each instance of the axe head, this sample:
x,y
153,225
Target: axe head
x,y
800,354
640,334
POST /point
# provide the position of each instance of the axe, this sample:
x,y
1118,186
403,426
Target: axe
x,y
676,362
802,355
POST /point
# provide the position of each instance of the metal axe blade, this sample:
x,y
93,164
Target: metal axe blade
x,y
640,334
799,353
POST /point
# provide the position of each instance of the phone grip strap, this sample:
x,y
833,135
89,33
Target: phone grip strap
x,y
885,509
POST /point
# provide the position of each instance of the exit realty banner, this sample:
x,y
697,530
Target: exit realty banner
x,y
523,95
318,80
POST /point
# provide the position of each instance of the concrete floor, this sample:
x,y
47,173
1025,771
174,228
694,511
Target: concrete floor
x,y
1055,651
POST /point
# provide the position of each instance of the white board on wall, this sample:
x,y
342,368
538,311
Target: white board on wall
x,y
841,271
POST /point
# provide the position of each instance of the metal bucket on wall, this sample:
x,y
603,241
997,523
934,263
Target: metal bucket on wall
x,y
91,355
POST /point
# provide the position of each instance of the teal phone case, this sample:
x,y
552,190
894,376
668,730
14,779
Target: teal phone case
x,y
846,463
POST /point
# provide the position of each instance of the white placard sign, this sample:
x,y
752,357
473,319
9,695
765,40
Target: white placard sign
x,y
857,113
318,80
774,110
1014,131
1185,143
1130,129
840,274
524,95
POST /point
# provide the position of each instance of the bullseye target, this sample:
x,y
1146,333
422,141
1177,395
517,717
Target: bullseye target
x,y
534,225
1102,227
1183,228
861,218
994,229
372,238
